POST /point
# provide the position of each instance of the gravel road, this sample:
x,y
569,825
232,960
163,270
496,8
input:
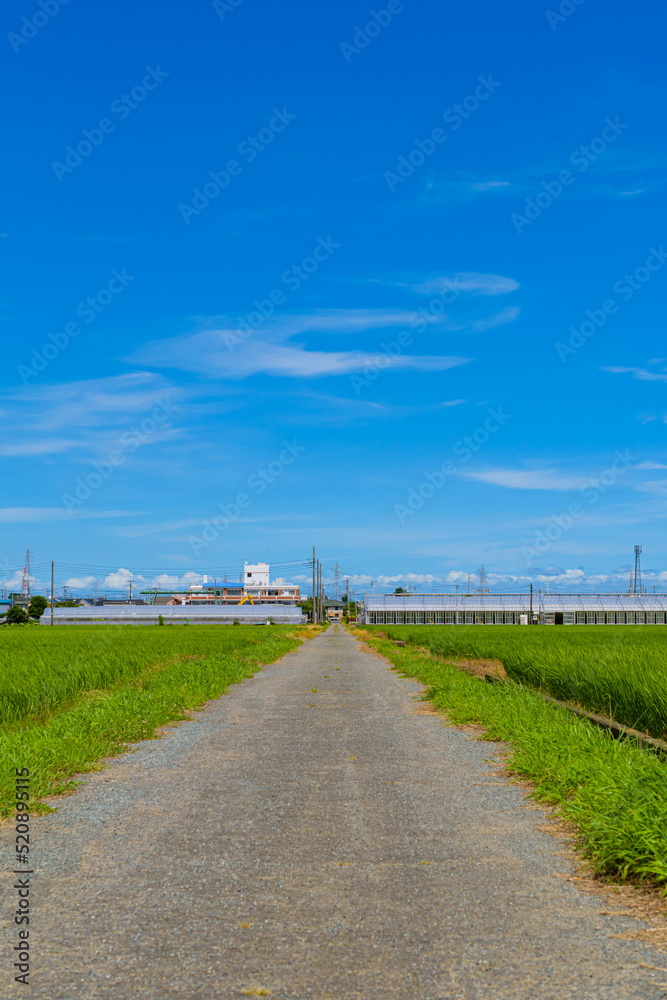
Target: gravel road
x,y
331,844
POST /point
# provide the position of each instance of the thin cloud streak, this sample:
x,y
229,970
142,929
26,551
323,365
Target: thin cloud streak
x,y
527,479
16,515
208,353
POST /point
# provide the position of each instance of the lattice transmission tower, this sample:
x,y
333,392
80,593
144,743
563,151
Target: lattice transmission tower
x,y
638,569
336,583
25,588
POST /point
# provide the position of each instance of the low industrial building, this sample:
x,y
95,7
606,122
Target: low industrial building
x,y
514,609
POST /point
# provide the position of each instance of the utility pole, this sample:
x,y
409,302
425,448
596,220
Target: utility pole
x,y
347,595
531,605
469,581
130,591
53,593
314,595
320,609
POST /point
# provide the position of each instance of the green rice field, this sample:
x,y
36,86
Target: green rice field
x,y
612,792
619,671
71,696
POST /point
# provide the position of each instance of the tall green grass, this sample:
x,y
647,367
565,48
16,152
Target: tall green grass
x,y
616,670
614,792
69,697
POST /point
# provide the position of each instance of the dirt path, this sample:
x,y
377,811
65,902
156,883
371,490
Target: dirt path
x,y
331,844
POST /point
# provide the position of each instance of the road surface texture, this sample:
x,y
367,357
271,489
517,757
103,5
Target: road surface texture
x,y
331,844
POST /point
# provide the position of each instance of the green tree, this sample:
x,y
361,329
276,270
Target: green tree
x,y
37,606
306,606
399,590
17,615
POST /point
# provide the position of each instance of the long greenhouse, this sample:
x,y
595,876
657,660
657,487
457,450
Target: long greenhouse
x,y
514,609
150,614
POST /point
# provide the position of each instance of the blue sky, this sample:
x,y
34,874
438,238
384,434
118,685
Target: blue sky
x,y
389,284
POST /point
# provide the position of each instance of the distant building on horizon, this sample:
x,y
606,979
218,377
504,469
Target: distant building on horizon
x,y
255,585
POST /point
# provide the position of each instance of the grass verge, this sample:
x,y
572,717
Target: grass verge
x,y
613,792
617,671
100,723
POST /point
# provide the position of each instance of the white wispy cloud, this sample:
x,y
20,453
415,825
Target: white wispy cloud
x,y
496,319
528,479
639,373
460,187
92,414
221,353
658,487
13,515
120,580
489,185
44,446
469,282
617,174
90,403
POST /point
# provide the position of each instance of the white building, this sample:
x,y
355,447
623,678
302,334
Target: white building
x,y
255,574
